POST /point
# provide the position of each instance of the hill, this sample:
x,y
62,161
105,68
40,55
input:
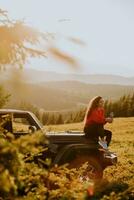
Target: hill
x,y
61,95
40,76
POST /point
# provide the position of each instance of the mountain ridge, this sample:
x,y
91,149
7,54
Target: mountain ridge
x,y
36,76
55,91
63,95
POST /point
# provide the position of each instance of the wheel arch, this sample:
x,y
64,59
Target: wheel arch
x,y
91,149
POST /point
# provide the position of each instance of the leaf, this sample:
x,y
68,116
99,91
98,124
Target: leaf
x,y
77,41
64,57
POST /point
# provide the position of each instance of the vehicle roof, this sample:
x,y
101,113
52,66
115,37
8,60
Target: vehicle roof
x,y
17,111
13,111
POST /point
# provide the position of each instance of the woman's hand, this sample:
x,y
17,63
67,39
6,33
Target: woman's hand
x,y
109,119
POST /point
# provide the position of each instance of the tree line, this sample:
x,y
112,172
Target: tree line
x,y
54,117
123,107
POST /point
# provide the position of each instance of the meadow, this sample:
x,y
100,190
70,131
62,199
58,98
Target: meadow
x,y
118,181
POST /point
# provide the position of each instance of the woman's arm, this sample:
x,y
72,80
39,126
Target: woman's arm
x,y
109,119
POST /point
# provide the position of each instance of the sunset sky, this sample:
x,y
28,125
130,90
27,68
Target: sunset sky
x,y
106,28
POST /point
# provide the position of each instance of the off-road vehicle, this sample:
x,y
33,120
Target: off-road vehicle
x,y
63,147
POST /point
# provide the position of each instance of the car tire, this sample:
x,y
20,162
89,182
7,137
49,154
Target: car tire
x,y
92,170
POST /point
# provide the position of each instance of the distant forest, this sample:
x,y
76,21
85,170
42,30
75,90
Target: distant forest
x,y
123,107
62,95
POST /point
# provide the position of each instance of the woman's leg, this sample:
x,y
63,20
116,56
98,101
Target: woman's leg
x,y
108,135
91,132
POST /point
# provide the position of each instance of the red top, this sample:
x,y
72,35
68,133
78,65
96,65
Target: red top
x,y
97,116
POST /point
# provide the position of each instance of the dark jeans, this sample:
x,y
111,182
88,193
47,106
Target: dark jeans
x,y
94,131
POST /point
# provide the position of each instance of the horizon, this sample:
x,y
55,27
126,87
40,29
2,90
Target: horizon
x,y
36,69
66,73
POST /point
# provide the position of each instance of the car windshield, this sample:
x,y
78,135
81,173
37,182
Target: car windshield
x,y
36,119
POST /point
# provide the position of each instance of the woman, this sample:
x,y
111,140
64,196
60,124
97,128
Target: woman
x,y
95,119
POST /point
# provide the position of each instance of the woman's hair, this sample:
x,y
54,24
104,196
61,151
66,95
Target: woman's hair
x,y
93,104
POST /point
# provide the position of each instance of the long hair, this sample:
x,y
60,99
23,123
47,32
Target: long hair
x,y
93,104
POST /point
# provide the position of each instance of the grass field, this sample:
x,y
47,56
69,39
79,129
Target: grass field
x,y
121,176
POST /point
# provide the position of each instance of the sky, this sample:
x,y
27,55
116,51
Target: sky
x,y
106,27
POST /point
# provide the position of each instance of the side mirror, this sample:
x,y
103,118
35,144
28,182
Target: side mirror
x,y
32,129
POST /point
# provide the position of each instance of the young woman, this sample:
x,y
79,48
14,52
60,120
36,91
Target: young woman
x,y
95,119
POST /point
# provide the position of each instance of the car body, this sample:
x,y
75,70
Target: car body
x,y
63,147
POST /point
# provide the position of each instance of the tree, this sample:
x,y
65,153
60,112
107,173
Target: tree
x,y
59,120
3,97
45,118
132,105
18,41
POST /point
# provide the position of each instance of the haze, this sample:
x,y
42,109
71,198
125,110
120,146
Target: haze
x,y
105,26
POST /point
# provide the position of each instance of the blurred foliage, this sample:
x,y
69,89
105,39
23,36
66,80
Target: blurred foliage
x,y
28,180
17,41
64,57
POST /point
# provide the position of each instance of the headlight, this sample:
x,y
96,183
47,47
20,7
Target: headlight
x,y
111,157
